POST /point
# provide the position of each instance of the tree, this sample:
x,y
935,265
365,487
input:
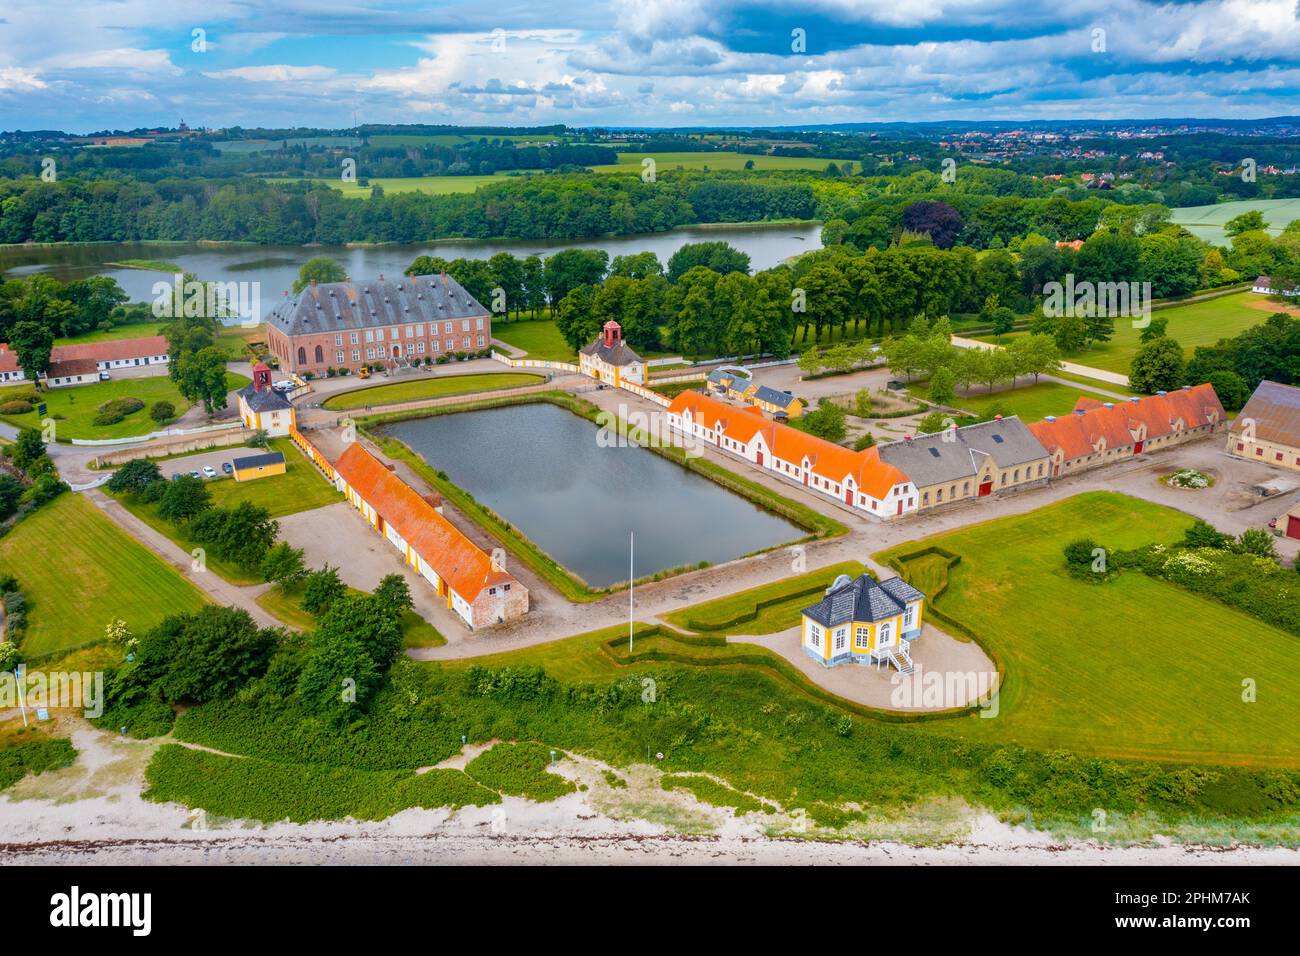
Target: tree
x,y
394,592
338,677
933,423
1154,329
242,534
322,588
825,421
1004,320
1249,221
576,316
185,499
1157,366
11,493
319,269
828,296
201,376
203,656
367,619
1231,390
571,268
134,476
940,221
1255,541
1202,534
943,386
29,448
32,343
717,256
283,565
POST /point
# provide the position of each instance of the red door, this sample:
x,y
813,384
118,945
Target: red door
x,y
900,507
760,458
1137,448
848,496
986,488
1293,526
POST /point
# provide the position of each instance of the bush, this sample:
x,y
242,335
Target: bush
x,y
15,407
865,440
162,412
113,411
43,489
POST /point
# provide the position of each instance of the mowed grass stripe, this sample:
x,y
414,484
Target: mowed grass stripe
x,y
439,387
1135,667
79,572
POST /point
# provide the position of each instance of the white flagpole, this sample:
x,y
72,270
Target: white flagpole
x,y
631,545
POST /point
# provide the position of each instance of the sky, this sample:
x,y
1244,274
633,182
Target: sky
x,y
87,65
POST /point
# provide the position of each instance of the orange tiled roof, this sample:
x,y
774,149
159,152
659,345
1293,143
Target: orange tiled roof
x,y
1154,416
827,459
455,558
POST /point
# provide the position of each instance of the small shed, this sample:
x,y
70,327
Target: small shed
x,y
259,466
1289,523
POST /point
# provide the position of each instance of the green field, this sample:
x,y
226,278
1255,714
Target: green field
x,y
631,162
79,572
74,409
1198,323
136,330
439,387
1137,668
538,337
300,488
1031,402
451,139
1206,222
429,185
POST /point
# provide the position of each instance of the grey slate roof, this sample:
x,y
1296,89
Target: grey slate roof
x,y
267,400
1275,410
773,396
620,354
257,461
930,460
863,600
345,306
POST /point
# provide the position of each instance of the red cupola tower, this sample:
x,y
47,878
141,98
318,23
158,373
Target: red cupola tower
x,y
613,334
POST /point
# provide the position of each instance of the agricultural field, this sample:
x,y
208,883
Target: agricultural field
x,y
1206,222
385,140
74,409
438,387
631,162
429,185
1197,323
1139,668
79,572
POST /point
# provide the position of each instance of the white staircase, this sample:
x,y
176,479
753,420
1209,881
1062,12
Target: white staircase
x,y
901,659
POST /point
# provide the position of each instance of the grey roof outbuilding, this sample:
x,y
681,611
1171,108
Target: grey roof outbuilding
x,y
959,452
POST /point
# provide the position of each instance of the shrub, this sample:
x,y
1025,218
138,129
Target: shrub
x,y
519,770
162,411
134,476
15,407
321,589
45,488
114,410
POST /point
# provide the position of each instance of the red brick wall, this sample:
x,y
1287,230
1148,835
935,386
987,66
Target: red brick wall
x,y
299,353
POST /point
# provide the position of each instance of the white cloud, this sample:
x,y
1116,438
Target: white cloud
x,y
275,73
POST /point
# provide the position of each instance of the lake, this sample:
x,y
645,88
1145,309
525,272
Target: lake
x,y
276,267
539,467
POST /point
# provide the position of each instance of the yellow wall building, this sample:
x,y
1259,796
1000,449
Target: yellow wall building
x,y
865,621
258,466
262,407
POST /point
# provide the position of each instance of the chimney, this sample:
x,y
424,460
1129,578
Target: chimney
x,y
1162,392
1134,398
997,418
1109,404
1079,412
1050,418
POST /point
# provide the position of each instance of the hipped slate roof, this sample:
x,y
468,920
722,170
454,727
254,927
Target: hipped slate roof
x,y
773,396
620,354
435,539
266,400
343,306
1079,434
960,452
1275,410
863,600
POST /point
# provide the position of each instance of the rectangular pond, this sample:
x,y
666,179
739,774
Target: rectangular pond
x,y
540,468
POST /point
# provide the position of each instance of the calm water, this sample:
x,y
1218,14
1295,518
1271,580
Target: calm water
x,y
275,267
539,467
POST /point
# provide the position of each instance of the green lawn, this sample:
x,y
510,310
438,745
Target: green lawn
x,y
287,606
300,488
438,387
74,409
1031,402
538,337
1198,323
79,571
782,601
1131,668
429,185
136,330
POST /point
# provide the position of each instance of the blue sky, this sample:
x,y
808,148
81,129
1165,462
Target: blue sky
x,y
83,65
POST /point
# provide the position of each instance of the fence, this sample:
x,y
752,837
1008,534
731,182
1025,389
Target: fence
x,y
166,432
534,363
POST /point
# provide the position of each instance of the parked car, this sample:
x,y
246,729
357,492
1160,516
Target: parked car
x,y
227,468
176,476
209,471
195,474
104,376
